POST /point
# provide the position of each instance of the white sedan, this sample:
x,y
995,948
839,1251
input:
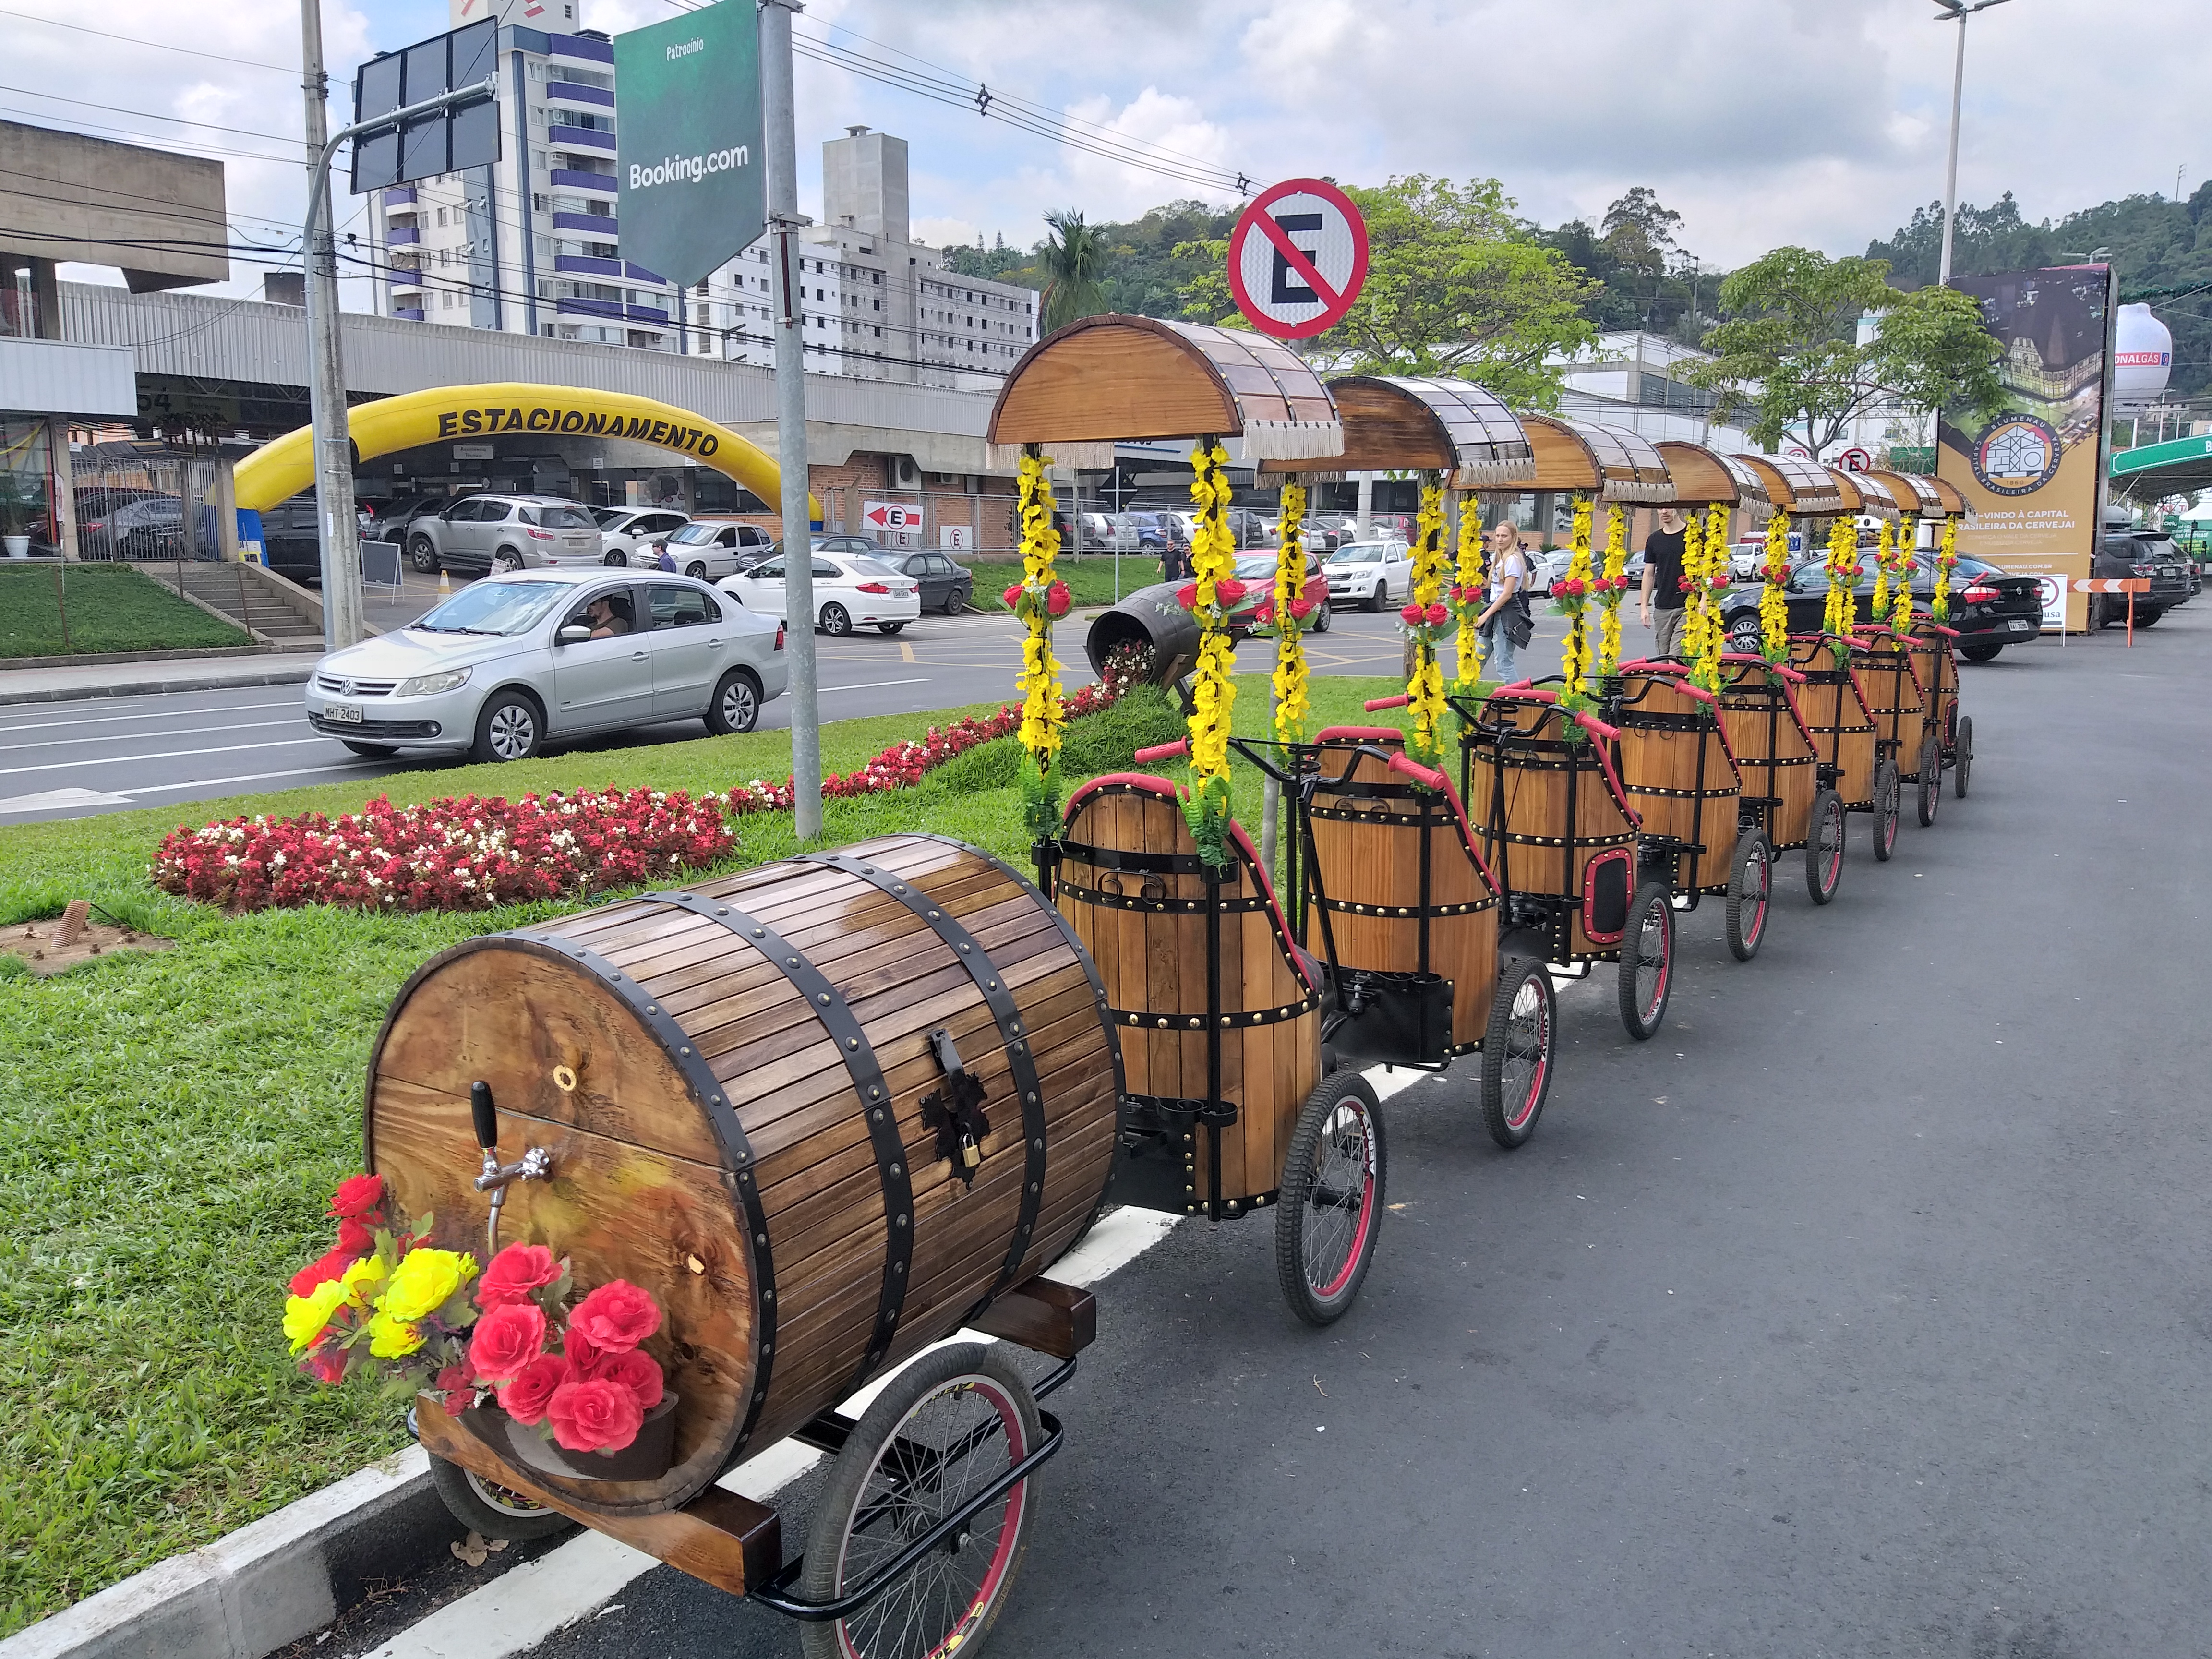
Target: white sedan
x,y
1375,574
627,535
512,661
850,590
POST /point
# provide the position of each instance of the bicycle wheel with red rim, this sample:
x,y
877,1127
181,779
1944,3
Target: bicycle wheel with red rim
x,y
1962,749
942,1430
1330,1207
1647,960
1888,807
1517,1052
1751,882
1824,848
1928,789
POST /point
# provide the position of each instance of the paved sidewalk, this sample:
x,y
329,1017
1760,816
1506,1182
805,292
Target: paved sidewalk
x,y
131,679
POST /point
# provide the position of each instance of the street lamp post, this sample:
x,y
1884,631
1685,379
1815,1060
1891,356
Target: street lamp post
x,y
1961,11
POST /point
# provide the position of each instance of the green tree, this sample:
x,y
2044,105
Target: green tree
x,y
1074,258
1789,358
1457,285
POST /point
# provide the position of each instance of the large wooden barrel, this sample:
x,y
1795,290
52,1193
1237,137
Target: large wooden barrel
x,y
1134,888
1883,663
731,1080
1834,707
1676,770
1367,837
1935,663
1774,750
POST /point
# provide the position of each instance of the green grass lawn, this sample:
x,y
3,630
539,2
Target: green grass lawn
x,y
109,607
172,1123
1090,579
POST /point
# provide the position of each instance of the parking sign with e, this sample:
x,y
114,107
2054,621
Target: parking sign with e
x,y
1298,259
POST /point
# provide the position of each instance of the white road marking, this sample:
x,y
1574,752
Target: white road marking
x,y
874,685
140,737
341,767
150,714
53,800
166,754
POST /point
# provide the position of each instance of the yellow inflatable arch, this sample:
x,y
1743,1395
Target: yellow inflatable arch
x,y
276,472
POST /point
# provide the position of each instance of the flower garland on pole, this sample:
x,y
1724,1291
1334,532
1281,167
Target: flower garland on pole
x,y
1427,619
1469,592
1714,578
1908,544
1946,559
1039,599
1843,582
1612,588
1209,595
1773,608
1287,609
1885,552
1570,597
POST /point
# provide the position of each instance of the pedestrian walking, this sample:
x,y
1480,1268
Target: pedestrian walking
x,y
1507,623
1663,583
667,560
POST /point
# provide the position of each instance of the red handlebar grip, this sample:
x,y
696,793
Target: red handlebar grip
x,y
1596,727
1160,752
1419,773
1381,703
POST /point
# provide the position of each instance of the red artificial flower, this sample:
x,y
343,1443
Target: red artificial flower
x,y
638,1371
515,1272
582,1353
1437,615
357,1197
616,1317
352,1236
322,1269
1411,615
593,1414
325,1367
454,1383
1229,589
507,1338
1057,599
525,1398
1186,595
1012,596
1264,612
1302,609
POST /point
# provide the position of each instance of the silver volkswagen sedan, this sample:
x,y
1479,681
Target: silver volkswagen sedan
x,y
515,661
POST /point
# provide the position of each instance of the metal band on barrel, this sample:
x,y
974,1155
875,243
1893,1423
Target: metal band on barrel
x,y
836,1018
1021,1060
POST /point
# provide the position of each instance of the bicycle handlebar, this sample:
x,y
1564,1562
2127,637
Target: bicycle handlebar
x,y
1381,703
1160,752
1427,776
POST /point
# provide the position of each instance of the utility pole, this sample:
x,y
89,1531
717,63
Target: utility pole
x,y
340,530
780,123
1959,11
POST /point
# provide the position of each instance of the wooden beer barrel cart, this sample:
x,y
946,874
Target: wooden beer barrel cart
x,y
1385,882
1779,760
826,1113
1226,1108
1934,655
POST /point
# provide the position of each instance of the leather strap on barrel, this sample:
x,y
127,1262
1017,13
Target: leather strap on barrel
x,y
728,1131
1020,1061
835,1015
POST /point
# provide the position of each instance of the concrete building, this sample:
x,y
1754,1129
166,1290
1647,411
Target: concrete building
x,y
533,244
157,218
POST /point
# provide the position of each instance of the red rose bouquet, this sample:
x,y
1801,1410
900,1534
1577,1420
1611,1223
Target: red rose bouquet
x,y
592,1393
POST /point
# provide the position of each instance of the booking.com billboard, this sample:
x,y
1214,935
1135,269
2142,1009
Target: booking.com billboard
x,y
689,160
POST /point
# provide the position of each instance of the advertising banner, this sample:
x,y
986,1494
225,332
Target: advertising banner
x,y
2033,477
690,165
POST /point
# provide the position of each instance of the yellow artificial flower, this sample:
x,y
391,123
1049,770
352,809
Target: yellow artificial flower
x,y
361,1279
393,1338
1290,678
1616,564
424,1281
306,1316
1713,637
1469,580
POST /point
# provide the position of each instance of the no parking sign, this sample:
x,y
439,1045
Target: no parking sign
x,y
1298,259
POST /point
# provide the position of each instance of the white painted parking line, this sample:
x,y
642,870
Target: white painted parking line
x,y
140,737
165,754
874,685
339,770
150,714
54,800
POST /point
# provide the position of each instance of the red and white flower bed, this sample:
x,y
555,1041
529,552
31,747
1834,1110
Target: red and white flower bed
x,y
475,852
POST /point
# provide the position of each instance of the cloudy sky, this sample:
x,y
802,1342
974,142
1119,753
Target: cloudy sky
x,y
1761,121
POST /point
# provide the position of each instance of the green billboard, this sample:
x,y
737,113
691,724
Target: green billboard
x,y
689,160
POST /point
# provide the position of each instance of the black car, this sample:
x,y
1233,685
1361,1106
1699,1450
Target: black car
x,y
944,585
391,518
1989,609
2126,552
291,543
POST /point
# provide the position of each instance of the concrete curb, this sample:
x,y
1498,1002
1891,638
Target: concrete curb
x,y
185,680
286,1576
98,658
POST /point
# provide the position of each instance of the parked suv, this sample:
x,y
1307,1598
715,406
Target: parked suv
x,y
502,534
2126,551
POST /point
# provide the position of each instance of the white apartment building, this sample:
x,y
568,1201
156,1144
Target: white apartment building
x,y
533,244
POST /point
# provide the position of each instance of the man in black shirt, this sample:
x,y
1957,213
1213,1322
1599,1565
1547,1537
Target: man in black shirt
x,y
1663,583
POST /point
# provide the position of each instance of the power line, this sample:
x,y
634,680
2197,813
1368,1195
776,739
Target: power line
x,y
149,115
159,45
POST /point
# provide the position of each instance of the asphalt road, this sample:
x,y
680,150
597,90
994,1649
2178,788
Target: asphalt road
x,y
1863,1311
97,755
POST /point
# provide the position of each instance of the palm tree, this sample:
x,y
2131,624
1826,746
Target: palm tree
x,y
1074,257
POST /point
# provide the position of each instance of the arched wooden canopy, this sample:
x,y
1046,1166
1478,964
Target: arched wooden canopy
x,y
1917,491
1865,492
1398,423
1955,504
1704,476
1100,380
1583,457
1802,488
